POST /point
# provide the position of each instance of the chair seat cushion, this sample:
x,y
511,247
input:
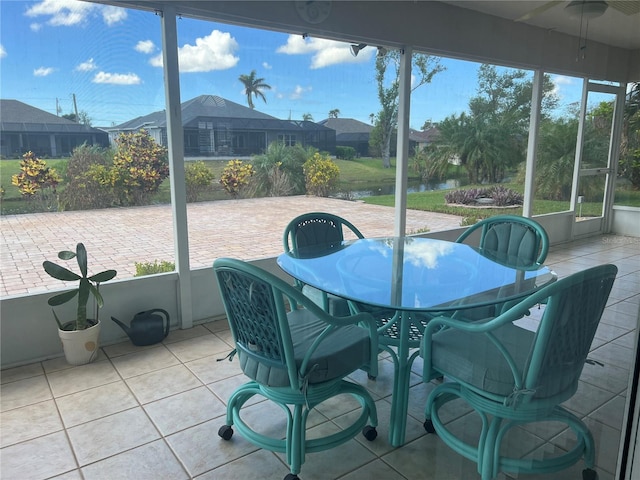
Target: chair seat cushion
x,y
344,351
338,307
473,358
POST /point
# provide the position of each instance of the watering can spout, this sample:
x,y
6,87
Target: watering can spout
x,y
126,329
148,327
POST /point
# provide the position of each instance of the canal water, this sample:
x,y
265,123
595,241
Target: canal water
x,y
412,187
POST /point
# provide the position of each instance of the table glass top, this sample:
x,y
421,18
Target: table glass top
x,y
411,273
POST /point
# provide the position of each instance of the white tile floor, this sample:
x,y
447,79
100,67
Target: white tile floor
x,y
153,412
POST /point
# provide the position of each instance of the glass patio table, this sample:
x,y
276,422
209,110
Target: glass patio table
x,y
405,281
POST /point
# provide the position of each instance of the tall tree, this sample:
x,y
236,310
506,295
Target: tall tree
x,y
253,86
630,152
424,67
335,113
491,138
307,117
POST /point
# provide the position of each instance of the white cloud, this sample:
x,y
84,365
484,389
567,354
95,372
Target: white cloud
x,y
324,52
145,46
117,78
112,15
266,66
298,92
43,71
296,45
560,81
35,27
86,66
213,52
62,12
3,52
65,13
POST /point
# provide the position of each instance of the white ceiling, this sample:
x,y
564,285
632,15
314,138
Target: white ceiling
x,y
613,28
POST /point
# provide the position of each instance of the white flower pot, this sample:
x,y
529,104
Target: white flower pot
x,y
80,346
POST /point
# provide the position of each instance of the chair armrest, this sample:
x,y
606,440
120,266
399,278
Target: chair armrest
x,y
486,326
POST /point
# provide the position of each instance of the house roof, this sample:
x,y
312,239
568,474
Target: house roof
x,y
346,126
20,117
198,107
424,136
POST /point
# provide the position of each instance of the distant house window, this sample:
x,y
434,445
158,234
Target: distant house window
x,y
288,140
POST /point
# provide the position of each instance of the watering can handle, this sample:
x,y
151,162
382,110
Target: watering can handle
x,y
166,318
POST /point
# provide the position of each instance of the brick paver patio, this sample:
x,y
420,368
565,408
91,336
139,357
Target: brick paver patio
x,y
119,237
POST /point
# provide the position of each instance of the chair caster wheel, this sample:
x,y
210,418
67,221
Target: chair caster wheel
x,y
225,432
370,433
291,476
428,426
589,474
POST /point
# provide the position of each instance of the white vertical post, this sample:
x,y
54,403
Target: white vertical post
x,y
577,164
402,149
175,140
532,144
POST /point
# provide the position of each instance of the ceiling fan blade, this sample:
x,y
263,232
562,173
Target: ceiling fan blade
x,y
628,7
538,10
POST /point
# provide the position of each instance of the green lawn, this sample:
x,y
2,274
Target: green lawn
x,y
357,174
433,201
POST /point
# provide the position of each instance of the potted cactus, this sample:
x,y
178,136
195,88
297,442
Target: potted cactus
x,y
80,336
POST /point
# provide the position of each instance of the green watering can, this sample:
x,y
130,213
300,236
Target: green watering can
x,y
147,327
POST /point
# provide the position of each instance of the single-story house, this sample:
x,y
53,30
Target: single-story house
x,y
350,133
216,127
420,139
24,128
354,133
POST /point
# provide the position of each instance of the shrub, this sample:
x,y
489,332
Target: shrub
x,y
37,182
85,188
235,177
345,153
279,170
148,268
139,168
198,178
321,175
500,195
425,163
462,197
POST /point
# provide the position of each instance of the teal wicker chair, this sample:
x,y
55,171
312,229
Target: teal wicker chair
x,y
511,376
313,234
520,237
516,241
296,356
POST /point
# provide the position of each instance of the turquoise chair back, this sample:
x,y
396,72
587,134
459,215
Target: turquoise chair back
x,y
316,232
573,310
518,237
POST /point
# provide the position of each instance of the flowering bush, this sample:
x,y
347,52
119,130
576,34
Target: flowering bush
x,y
235,177
36,180
198,179
321,175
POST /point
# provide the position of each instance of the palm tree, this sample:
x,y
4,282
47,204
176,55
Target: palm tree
x,y
307,117
253,86
334,113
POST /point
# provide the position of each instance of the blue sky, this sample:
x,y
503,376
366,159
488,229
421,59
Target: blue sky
x,y
110,60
